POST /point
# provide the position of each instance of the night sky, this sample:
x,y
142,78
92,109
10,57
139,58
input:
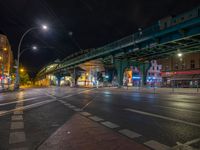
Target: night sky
x,y
92,22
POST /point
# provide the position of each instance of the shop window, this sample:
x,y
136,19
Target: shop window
x,y
167,68
192,64
176,67
183,66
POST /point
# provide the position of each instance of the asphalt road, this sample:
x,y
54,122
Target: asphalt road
x,y
163,119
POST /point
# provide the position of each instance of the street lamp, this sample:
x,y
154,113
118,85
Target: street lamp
x,y
180,54
21,70
34,47
44,27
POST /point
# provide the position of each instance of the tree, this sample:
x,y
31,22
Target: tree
x,y
24,77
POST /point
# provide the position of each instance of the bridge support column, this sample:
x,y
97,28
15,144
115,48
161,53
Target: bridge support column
x,y
144,67
120,66
58,80
75,74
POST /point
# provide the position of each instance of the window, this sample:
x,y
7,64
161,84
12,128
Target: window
x,y
176,67
167,68
183,66
192,64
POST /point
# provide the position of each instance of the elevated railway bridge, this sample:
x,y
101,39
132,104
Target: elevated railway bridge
x,y
169,36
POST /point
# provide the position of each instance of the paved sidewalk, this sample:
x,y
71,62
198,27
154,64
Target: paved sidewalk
x,y
80,133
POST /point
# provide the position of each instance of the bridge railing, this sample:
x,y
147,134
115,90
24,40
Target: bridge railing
x,y
117,44
128,40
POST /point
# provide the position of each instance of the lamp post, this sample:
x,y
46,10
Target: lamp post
x,y
19,52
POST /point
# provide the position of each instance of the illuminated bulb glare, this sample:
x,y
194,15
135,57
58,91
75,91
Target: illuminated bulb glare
x,y
180,54
21,70
34,48
44,27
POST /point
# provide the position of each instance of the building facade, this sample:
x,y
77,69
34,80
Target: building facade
x,y
6,59
181,71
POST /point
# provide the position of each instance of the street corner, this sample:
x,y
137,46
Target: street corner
x,y
82,133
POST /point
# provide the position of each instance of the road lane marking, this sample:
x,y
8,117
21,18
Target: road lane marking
x,y
17,137
77,109
27,107
67,104
17,101
36,104
129,133
72,106
185,145
83,91
3,111
85,113
95,118
17,125
17,118
110,124
179,109
18,112
162,117
156,145
87,105
192,141
21,148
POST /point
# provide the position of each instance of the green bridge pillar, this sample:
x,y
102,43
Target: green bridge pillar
x,y
58,76
144,67
58,79
120,67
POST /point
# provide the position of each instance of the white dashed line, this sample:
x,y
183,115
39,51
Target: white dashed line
x,y
17,137
27,99
18,112
67,104
95,118
156,145
178,109
17,118
77,109
85,114
110,124
72,106
129,133
21,148
17,125
163,117
192,141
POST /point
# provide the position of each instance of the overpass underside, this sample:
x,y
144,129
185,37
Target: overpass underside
x,y
135,52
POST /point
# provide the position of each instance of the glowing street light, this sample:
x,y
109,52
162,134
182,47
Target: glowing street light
x,y
180,54
44,27
21,70
34,48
